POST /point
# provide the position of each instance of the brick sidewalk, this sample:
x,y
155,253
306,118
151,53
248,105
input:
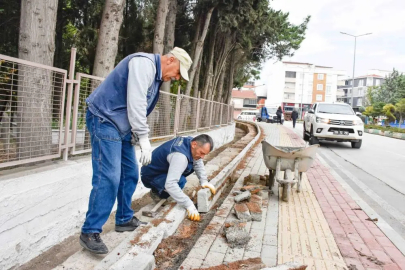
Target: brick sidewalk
x,y
362,244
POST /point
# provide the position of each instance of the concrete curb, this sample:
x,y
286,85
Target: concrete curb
x,y
204,200
396,135
127,255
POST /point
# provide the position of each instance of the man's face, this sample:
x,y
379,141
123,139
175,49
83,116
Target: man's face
x,y
171,69
199,151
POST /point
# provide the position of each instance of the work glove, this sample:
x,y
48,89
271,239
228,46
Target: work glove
x,y
146,151
192,213
206,184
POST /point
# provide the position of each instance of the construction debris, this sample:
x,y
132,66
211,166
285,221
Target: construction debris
x,y
255,211
236,234
288,266
243,196
242,212
253,188
249,264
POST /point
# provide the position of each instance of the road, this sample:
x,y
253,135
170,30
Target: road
x,y
376,172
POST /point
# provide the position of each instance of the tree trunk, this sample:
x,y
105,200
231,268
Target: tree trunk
x,y
196,36
231,77
107,44
160,23
168,46
36,85
198,50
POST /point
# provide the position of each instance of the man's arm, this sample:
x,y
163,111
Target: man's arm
x,y
199,169
140,77
178,163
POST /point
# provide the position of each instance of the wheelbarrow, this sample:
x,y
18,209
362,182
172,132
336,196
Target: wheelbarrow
x,y
292,160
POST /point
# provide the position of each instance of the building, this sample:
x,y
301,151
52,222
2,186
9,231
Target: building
x,y
244,99
361,85
308,83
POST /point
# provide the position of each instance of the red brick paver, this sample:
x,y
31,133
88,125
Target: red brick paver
x,y
360,241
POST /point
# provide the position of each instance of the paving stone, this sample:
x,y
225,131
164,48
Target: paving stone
x,y
243,196
270,240
203,243
269,251
269,262
191,263
220,245
255,242
251,254
234,254
242,212
213,258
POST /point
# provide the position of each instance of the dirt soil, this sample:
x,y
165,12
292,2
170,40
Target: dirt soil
x,y
249,264
172,251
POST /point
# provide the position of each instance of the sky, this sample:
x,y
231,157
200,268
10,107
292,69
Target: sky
x,y
324,45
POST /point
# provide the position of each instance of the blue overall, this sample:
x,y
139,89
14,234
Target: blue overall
x,y
115,168
154,175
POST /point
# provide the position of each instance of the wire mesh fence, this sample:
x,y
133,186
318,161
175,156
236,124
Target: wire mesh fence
x,y
43,113
162,119
188,114
31,106
205,113
86,85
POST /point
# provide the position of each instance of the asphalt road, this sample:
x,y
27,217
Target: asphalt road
x,y
376,172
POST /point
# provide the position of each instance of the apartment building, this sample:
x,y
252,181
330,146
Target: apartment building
x,y
361,85
306,83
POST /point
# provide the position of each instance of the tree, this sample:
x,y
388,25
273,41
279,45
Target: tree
x,y
389,111
107,45
160,24
35,89
401,110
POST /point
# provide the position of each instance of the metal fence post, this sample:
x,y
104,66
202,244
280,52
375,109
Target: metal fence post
x,y
220,114
68,110
177,112
211,109
197,122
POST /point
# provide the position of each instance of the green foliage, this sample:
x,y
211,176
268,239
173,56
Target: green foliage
x,y
391,91
362,109
389,111
391,129
401,109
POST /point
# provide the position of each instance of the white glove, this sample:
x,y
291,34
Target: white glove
x,y
146,151
192,213
206,184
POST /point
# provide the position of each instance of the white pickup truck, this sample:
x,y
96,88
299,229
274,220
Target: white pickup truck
x,y
333,122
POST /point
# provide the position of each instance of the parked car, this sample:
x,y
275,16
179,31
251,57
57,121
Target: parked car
x,y
333,122
273,116
248,115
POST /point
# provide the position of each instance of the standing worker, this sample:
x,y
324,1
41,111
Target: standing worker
x,y
171,163
117,111
294,116
279,113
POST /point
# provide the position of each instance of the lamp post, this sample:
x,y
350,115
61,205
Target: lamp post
x,y
354,60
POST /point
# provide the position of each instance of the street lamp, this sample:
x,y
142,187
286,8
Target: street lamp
x,y
354,60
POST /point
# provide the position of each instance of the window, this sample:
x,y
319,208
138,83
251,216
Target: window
x,y
377,82
290,85
335,109
361,92
328,89
361,82
249,101
309,98
310,86
319,87
289,96
319,97
359,102
290,74
369,81
329,78
320,76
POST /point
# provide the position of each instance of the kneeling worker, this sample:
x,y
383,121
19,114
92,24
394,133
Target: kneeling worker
x,y
171,163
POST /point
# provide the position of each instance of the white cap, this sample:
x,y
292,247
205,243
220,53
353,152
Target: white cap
x,y
185,61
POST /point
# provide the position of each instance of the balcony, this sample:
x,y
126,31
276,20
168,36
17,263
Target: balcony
x,y
293,80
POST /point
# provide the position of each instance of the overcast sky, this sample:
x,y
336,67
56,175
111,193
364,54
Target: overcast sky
x,y
324,45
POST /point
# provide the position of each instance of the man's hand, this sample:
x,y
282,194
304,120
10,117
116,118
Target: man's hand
x,y
192,213
206,184
146,151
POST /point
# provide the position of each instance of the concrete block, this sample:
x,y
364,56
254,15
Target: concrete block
x,y
236,234
242,212
243,196
130,261
255,211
